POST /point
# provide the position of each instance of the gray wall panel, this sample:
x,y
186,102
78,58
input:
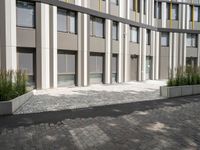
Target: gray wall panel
x,y
25,37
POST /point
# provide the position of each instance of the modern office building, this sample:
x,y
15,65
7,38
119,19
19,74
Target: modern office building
x,y
83,42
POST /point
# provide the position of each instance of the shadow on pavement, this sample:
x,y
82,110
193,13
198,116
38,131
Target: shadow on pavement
x,y
92,112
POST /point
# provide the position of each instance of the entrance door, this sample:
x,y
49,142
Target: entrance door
x,y
96,68
66,68
134,68
114,68
148,67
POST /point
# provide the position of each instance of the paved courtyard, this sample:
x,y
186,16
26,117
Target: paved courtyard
x,y
94,95
167,124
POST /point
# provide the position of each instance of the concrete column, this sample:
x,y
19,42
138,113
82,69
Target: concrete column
x,y
183,23
53,47
143,52
127,54
78,2
157,55
175,53
184,48
187,20
198,50
107,6
170,51
140,55
42,45
164,14
153,48
108,53
8,51
85,49
121,49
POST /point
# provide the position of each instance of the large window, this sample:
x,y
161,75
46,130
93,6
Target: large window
x,y
115,31
26,62
165,39
67,21
134,5
157,10
148,37
134,32
66,68
25,14
195,13
192,40
174,11
114,2
97,27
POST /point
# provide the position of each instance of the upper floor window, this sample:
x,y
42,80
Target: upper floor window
x,y
134,5
97,26
67,21
195,13
115,31
165,39
114,2
174,11
192,40
25,14
148,37
157,10
134,34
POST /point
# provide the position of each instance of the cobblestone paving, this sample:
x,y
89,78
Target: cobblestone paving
x,y
172,124
95,95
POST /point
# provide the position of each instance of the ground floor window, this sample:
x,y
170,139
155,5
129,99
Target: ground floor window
x,y
191,61
148,67
66,68
114,68
26,61
96,63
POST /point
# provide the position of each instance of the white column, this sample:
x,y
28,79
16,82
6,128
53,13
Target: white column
x,y
53,46
143,57
140,55
175,56
8,34
85,49
78,2
108,54
127,54
157,55
42,46
184,48
120,57
164,14
198,50
187,16
142,11
170,50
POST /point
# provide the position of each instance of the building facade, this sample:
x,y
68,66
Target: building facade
x,y
83,42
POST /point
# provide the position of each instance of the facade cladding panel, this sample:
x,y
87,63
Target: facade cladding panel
x,y
78,42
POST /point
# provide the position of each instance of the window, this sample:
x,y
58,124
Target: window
x,y
25,14
145,7
114,2
157,10
196,13
134,34
67,21
165,39
97,27
148,37
134,5
115,31
192,40
174,11
26,61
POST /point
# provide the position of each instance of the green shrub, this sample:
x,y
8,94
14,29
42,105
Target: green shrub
x,y
12,84
184,76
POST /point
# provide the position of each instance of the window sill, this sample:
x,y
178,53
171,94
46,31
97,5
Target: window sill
x,y
97,37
